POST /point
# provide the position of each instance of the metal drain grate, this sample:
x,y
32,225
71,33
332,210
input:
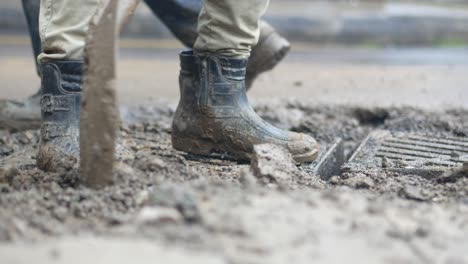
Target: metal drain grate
x,y
426,155
436,151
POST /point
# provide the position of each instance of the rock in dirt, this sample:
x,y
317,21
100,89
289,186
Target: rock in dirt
x,y
157,164
359,181
413,193
155,215
273,164
7,173
177,197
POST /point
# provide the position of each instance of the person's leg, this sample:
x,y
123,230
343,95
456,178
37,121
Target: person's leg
x,y
63,26
31,11
181,17
214,115
229,28
17,115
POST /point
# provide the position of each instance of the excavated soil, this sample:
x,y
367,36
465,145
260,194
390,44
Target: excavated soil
x,y
229,211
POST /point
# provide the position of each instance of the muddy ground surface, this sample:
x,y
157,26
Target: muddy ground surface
x,y
186,208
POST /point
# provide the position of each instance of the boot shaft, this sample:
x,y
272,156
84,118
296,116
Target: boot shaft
x,y
64,77
214,85
62,84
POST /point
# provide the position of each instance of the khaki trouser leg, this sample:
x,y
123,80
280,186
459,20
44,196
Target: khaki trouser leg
x,y
63,26
229,27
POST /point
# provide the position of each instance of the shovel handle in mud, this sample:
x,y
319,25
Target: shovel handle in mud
x,y
99,111
125,10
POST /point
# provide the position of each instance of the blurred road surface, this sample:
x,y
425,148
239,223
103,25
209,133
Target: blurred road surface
x,y
429,78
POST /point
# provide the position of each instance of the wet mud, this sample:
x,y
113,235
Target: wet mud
x,y
269,211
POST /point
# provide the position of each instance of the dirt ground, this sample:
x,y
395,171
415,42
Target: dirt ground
x,y
169,207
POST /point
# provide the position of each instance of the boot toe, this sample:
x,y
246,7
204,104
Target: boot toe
x,y
303,148
53,158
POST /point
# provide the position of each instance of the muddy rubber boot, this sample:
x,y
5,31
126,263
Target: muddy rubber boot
x,y
214,116
60,105
181,17
19,115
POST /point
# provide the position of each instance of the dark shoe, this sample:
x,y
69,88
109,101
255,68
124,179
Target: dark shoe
x,y
25,114
60,105
270,50
31,12
21,115
214,115
181,17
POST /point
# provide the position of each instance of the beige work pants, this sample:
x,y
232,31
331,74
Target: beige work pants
x,y
229,27
63,25
226,27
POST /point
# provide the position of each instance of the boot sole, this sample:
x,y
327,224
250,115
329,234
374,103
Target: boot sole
x,y
208,148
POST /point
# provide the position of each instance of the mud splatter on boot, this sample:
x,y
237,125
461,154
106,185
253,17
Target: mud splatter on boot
x,y
214,116
60,105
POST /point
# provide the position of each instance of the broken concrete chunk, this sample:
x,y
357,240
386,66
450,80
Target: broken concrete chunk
x,y
273,164
353,180
360,181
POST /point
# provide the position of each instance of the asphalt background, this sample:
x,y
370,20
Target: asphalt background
x,y
148,69
376,70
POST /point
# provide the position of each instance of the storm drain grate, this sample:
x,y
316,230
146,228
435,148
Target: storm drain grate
x,y
422,154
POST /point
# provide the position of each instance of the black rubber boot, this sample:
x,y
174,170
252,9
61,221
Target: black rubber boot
x,y
181,17
214,115
18,115
60,105
269,52
31,12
